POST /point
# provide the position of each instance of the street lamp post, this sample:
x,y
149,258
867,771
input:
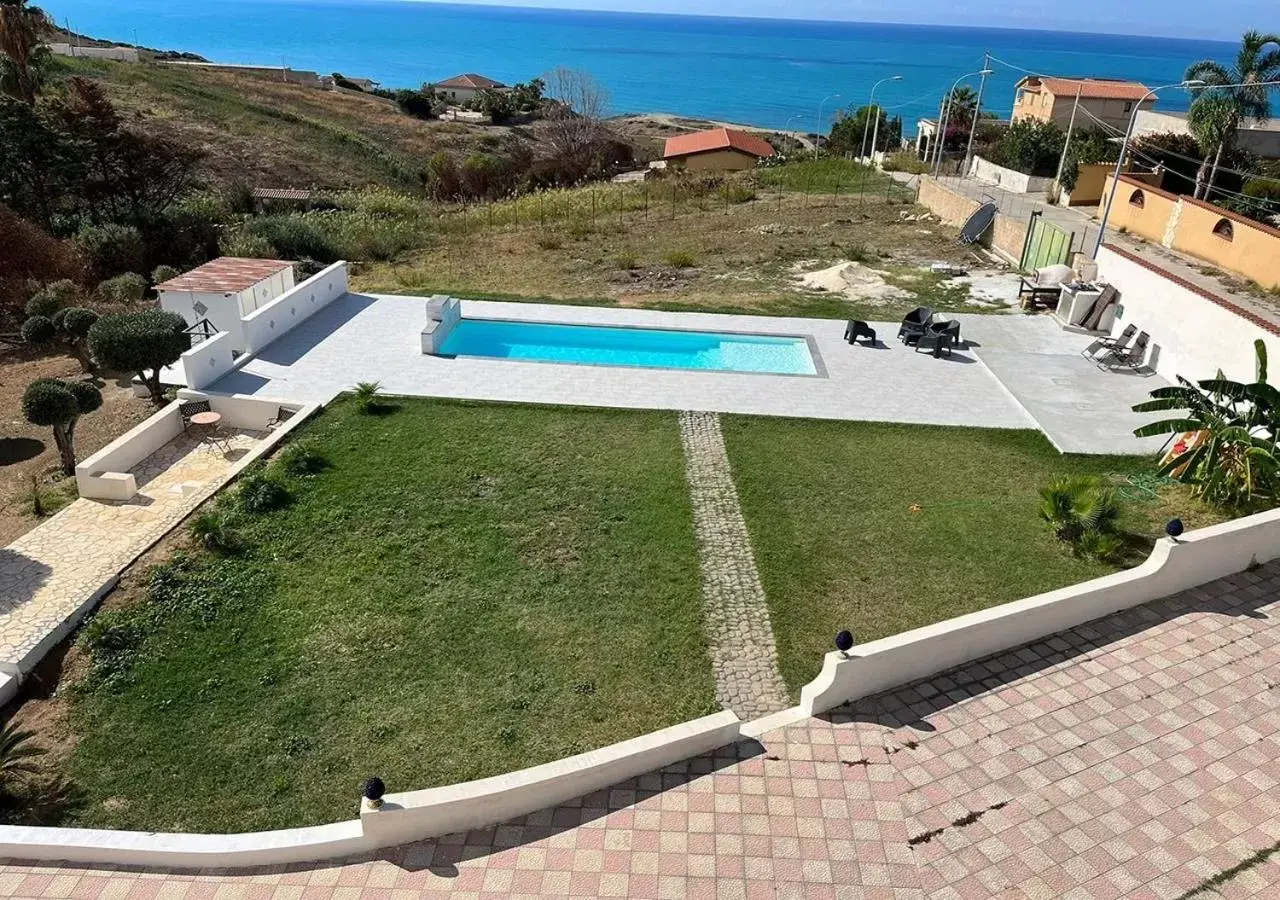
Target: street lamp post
x,y
946,116
875,112
817,143
1124,150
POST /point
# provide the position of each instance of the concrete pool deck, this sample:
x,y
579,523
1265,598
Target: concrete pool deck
x,y
371,337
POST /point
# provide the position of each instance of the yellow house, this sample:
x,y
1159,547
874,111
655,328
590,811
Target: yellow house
x,y
1052,100
715,150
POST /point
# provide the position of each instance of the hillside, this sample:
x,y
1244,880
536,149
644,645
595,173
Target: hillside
x,y
271,134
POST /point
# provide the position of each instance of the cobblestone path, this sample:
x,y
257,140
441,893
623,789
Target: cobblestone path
x,y
743,654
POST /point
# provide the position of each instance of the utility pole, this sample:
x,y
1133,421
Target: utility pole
x,y
1066,145
977,111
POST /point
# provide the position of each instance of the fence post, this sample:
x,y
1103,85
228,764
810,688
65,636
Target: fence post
x,y
593,207
516,215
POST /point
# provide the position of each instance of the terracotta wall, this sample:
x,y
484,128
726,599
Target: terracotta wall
x,y
1139,208
1227,240
1238,244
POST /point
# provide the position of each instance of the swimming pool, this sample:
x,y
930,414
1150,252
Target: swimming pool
x,y
647,347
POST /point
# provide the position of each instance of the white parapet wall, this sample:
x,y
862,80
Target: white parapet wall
x,y
476,804
105,474
208,360
403,817
268,322
1197,558
1009,179
1194,336
443,315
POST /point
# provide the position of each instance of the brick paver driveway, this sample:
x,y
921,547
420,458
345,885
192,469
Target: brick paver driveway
x,y
1135,757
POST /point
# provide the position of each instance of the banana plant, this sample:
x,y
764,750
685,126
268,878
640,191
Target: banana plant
x,y
1237,462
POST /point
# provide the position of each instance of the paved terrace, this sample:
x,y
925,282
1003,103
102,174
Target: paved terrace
x,y
1018,372
1134,757
49,573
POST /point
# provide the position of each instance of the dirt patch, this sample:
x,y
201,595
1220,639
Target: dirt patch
x,y
851,279
28,450
653,279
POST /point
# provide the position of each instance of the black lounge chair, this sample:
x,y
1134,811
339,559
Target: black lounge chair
x,y
1130,358
914,324
859,329
1109,343
939,336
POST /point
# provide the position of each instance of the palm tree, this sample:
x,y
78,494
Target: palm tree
x,y
1213,119
21,54
17,754
1257,63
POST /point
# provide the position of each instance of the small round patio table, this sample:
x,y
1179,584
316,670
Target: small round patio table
x,y
207,419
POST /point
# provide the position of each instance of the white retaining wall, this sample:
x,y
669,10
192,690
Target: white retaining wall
x,y
1195,336
105,474
208,360
266,323
1199,557
475,804
1009,179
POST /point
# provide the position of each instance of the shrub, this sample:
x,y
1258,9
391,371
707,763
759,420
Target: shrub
x,y
28,253
548,241
1030,146
367,396
904,161
59,405
161,274
680,259
142,343
53,297
293,236
17,753
260,493
1082,511
627,262
123,289
238,198
111,249
248,245
38,330
217,531
736,192
301,459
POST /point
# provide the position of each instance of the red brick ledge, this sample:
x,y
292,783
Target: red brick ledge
x,y
1248,315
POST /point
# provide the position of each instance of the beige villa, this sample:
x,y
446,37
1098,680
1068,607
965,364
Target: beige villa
x,y
715,150
1110,101
462,88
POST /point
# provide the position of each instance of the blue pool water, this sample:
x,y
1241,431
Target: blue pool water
x,y
649,347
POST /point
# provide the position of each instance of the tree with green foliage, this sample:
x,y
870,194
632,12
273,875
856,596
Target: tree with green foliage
x,y
126,288
1235,463
142,343
60,404
1087,146
851,130
23,56
1256,63
1031,146
1082,511
69,327
1213,118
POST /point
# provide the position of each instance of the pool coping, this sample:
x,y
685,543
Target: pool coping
x,y
811,342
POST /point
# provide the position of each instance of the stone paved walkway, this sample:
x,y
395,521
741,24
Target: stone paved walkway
x,y
743,655
49,573
1133,758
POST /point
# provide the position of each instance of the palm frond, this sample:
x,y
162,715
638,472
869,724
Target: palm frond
x,y
1168,426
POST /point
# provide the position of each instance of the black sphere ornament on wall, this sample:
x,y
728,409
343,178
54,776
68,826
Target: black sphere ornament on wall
x,y
844,642
373,790
1174,528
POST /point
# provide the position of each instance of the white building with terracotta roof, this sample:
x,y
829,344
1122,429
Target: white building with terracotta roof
x,y
462,88
224,291
715,150
1106,100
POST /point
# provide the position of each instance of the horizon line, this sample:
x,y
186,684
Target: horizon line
x,y
506,4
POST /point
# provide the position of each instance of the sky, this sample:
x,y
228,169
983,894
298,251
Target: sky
x,y
1225,19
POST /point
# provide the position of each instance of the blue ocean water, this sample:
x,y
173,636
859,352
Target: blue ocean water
x,y
649,347
767,72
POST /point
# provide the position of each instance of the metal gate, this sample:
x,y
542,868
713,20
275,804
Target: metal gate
x,y
1046,244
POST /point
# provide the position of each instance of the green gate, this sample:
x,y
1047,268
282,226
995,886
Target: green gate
x,y
1046,244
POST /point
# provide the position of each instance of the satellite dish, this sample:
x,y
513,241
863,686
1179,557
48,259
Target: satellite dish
x,y
978,223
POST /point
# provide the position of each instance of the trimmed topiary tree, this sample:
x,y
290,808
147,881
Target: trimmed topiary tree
x,y
142,343
69,327
127,288
52,297
59,404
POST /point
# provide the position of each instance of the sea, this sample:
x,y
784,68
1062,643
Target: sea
x,y
775,73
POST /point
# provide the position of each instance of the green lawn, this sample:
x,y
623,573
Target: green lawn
x,y
469,589
829,508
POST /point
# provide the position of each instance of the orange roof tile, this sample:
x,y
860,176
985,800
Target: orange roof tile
x,y
716,139
225,275
470,80
1096,88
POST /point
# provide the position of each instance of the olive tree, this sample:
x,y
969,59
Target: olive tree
x,y
142,343
69,327
59,404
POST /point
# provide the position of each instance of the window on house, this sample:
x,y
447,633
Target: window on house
x,y
1128,106
1138,199
1225,230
